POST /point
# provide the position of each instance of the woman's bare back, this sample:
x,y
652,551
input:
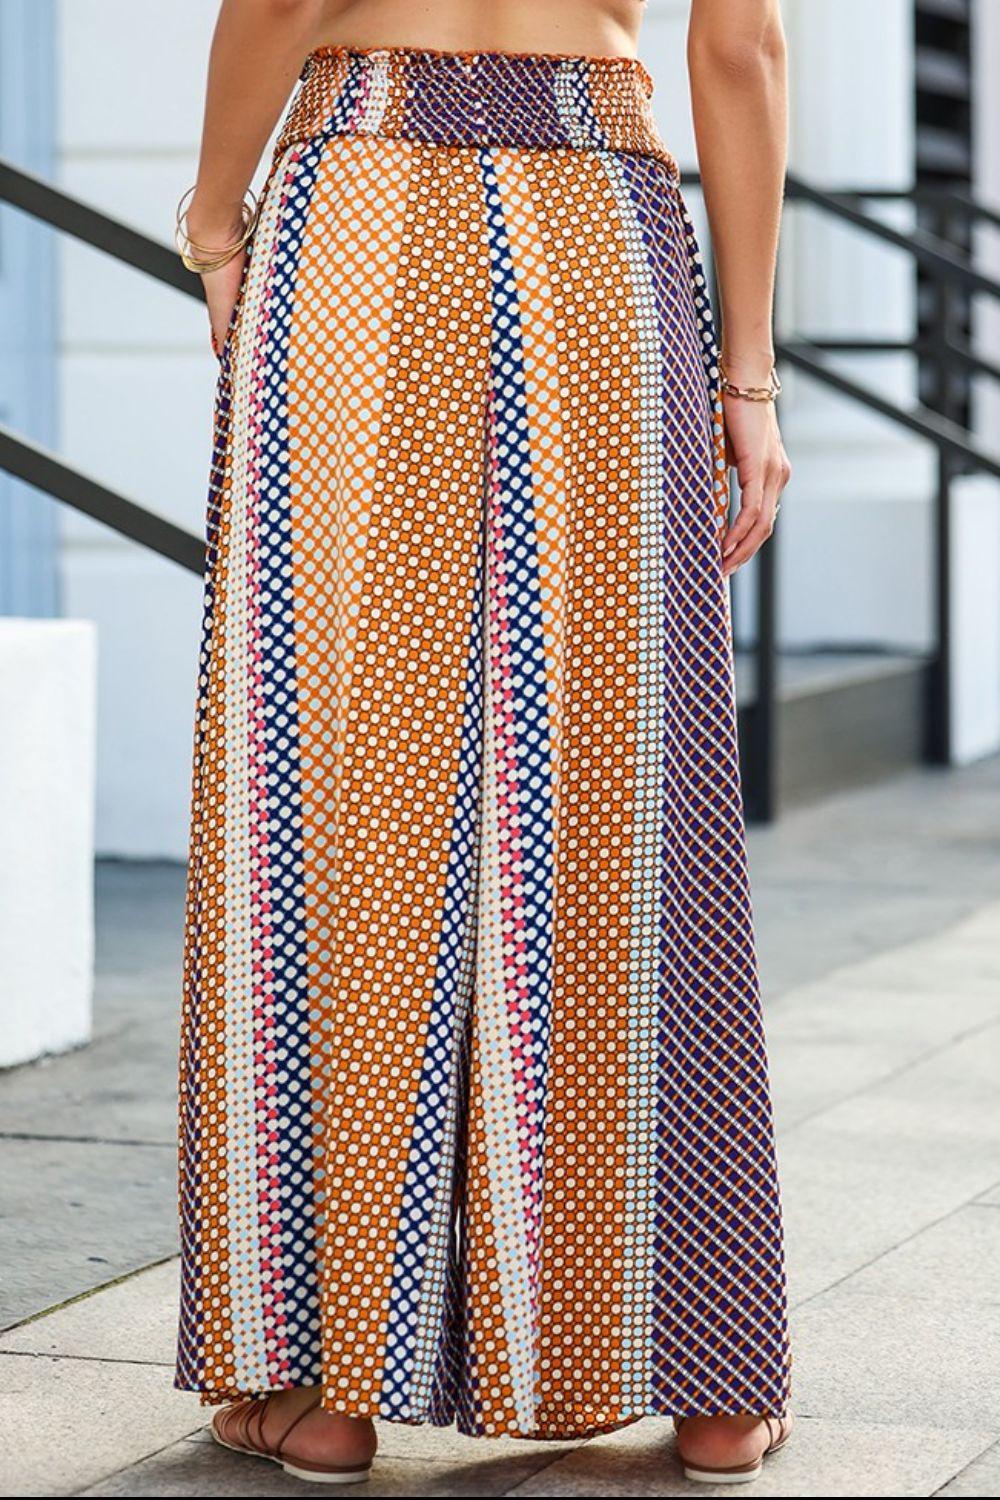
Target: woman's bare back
x,y
606,28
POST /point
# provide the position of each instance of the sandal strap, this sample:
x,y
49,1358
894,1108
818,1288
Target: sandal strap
x,y
777,1431
246,1422
258,1410
279,1447
236,1423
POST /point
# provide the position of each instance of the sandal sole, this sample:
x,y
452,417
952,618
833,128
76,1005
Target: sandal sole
x,y
311,1476
733,1476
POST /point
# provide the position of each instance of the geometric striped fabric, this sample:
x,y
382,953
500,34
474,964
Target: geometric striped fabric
x,y
475,1115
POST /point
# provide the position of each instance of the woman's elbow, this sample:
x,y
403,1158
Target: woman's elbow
x,y
741,58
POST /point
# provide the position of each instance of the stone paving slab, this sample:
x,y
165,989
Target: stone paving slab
x,y
136,1320
949,964
923,831
847,1202
207,1470
833,1039
951,1094
825,1458
66,1423
903,1361
805,927
871,869
68,1170
954,1260
114,1090
980,926
76,1215
981,1477
881,1166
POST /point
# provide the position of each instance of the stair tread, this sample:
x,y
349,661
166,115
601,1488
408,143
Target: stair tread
x,y
804,672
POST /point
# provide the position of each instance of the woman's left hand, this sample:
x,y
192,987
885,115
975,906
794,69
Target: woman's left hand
x,y
754,448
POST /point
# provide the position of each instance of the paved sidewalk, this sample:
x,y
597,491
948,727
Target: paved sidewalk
x,y
880,930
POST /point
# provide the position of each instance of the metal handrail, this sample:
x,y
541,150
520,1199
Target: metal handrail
x,y
83,222
927,195
931,253
925,249
42,469
947,436
922,347
952,277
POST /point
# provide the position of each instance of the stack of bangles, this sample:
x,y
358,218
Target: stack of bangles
x,y
769,392
201,260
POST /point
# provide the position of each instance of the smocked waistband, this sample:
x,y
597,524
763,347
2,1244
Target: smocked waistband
x,y
535,102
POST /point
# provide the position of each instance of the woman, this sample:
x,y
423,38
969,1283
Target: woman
x,y
474,1099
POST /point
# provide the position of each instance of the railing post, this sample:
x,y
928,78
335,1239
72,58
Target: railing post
x,y
938,726
944,332
760,754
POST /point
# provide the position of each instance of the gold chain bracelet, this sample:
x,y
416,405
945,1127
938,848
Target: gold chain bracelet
x,y
769,392
202,260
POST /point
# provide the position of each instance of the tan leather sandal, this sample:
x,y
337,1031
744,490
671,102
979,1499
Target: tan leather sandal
x,y
240,1428
779,1430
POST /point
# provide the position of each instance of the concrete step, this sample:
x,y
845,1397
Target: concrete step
x,y
844,719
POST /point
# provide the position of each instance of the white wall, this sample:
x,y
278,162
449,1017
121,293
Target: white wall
x,y
976,500
855,531
663,50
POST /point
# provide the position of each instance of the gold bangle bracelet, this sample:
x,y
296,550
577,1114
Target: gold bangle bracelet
x,y
200,258
769,392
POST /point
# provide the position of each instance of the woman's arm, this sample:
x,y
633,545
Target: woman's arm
x,y
736,59
257,54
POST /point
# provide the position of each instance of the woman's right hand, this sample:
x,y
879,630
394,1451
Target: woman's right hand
x,y
755,450
221,291
213,233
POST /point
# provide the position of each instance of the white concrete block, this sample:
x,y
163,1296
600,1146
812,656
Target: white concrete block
x,y
48,674
855,533
854,573
975,618
148,615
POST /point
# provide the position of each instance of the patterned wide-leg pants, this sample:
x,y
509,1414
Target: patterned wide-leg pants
x,y
475,1117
